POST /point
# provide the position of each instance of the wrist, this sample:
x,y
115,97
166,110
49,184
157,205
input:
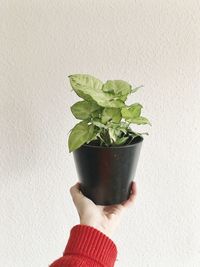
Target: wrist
x,y
97,226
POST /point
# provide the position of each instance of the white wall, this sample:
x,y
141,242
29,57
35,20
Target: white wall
x,y
155,43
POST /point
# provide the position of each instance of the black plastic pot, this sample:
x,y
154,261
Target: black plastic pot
x,y
105,173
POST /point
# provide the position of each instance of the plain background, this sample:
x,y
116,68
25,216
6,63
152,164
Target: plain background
x,y
153,43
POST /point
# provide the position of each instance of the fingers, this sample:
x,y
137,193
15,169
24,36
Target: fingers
x,y
75,189
128,203
78,196
76,193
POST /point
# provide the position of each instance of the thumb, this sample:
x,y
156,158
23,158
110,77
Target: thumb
x,y
76,194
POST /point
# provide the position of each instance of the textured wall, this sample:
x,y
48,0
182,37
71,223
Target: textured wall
x,y
155,43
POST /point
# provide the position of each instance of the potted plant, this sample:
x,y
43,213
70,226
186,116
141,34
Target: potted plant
x,y
105,148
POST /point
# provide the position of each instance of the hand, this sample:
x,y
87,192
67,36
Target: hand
x,y
103,218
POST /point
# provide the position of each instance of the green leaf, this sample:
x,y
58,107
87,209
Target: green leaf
x,y
130,132
96,110
136,88
90,88
123,130
78,136
122,140
112,103
123,98
82,110
96,114
113,114
132,111
140,120
98,123
80,82
91,133
117,87
121,127
112,134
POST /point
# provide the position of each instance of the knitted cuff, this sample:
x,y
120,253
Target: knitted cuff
x,y
91,243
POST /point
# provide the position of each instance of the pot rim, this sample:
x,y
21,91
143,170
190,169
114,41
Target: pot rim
x,y
116,147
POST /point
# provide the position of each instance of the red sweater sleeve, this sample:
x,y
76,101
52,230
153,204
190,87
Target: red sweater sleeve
x,y
87,247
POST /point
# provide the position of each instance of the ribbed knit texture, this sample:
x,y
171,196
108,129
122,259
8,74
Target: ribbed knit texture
x,y
87,247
